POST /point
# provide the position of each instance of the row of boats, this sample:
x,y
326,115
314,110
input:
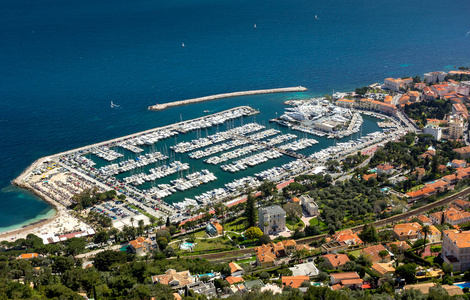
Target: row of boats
x,y
217,148
216,119
105,153
131,164
215,160
184,147
251,161
298,144
157,173
181,184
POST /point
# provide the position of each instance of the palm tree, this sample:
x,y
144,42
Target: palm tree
x,y
132,221
425,230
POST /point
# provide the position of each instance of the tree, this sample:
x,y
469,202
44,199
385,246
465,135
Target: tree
x,y
447,268
253,233
101,237
267,188
167,225
62,264
369,234
140,229
105,259
407,271
162,242
264,239
250,211
425,230
322,276
114,232
132,221
293,211
438,293
74,246
383,254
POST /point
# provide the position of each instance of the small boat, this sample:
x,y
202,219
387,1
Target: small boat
x,y
316,17
254,26
206,111
182,45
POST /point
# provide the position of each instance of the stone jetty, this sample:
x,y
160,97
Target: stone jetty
x,y
226,95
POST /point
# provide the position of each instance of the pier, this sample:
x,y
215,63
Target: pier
x,y
226,95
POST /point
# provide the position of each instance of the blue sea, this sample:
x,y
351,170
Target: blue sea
x,y
63,61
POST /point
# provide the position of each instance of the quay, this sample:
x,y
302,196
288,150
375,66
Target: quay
x,y
226,95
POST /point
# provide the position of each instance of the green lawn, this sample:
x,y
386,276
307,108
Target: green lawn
x,y
236,225
200,234
355,253
293,227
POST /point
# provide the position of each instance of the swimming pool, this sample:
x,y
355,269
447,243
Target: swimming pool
x,y
463,284
207,274
187,246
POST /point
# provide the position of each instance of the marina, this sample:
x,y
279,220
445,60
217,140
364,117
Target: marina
x,y
166,163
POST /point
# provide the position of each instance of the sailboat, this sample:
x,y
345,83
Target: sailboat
x,y
182,45
254,26
316,17
113,105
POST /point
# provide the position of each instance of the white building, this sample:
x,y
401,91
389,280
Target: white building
x,y
456,249
309,205
435,76
272,219
433,130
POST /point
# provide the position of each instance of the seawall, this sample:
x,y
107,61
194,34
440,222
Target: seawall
x,y
226,95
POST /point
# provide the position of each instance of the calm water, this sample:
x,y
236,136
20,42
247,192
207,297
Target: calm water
x,y
62,62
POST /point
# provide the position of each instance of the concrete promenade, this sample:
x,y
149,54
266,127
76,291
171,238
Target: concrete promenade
x,y
226,95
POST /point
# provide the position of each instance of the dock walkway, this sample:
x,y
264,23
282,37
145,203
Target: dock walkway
x,y
226,95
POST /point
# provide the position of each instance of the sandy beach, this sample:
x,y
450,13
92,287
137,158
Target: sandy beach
x,y
61,223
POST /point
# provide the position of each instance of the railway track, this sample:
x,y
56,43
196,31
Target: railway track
x,y
379,223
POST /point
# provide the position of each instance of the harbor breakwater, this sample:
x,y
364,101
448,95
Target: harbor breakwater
x,y
226,95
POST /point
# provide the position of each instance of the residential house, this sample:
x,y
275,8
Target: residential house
x,y
294,281
347,236
373,253
456,249
456,126
202,288
433,236
385,169
366,177
401,246
406,231
419,173
383,269
266,255
429,94
347,279
425,220
421,193
441,89
28,256
235,269
305,269
140,246
336,261
439,185
214,228
234,280
451,179
434,130
309,205
463,204
272,219
433,77
456,217
334,247
395,84
458,163
464,151
452,290
437,217
420,86
460,110
173,278
345,103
